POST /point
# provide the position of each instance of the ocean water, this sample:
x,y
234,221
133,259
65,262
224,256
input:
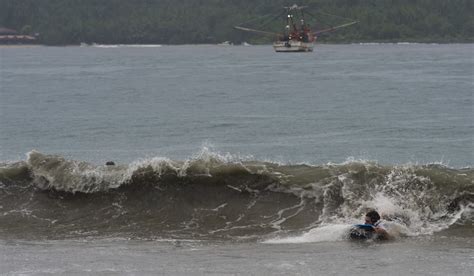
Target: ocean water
x,y
233,160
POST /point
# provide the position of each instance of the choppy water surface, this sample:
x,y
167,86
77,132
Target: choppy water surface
x,y
390,103
236,151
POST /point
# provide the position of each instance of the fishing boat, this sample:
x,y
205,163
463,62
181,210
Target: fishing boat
x,y
297,35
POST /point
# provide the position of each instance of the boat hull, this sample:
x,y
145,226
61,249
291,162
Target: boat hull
x,y
292,46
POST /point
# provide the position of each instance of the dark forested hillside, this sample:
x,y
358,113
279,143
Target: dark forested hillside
x,y
212,21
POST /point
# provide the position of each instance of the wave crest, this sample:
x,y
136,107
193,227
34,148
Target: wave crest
x,y
212,195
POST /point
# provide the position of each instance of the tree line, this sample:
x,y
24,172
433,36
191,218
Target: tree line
x,y
62,22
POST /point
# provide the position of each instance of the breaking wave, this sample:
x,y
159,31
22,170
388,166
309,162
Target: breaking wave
x,y
211,196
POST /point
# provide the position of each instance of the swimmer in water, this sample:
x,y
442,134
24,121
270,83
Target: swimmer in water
x,y
380,229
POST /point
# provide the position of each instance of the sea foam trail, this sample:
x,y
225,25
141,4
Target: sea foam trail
x,y
325,233
219,196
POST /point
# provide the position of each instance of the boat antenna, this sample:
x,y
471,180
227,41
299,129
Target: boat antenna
x,y
303,21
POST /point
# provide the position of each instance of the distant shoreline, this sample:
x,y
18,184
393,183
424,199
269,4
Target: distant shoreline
x,y
105,45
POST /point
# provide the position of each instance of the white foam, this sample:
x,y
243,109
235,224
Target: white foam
x,y
324,233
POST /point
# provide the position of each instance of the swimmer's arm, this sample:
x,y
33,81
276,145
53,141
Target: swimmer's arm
x,y
383,233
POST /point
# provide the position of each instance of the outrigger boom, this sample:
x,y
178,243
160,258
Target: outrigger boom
x,y
335,28
255,31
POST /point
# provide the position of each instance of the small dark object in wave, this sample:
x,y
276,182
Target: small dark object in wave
x,y
110,163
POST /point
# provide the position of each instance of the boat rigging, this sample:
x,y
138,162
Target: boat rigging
x,y
297,35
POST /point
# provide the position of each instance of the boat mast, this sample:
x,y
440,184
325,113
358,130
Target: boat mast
x,y
289,23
